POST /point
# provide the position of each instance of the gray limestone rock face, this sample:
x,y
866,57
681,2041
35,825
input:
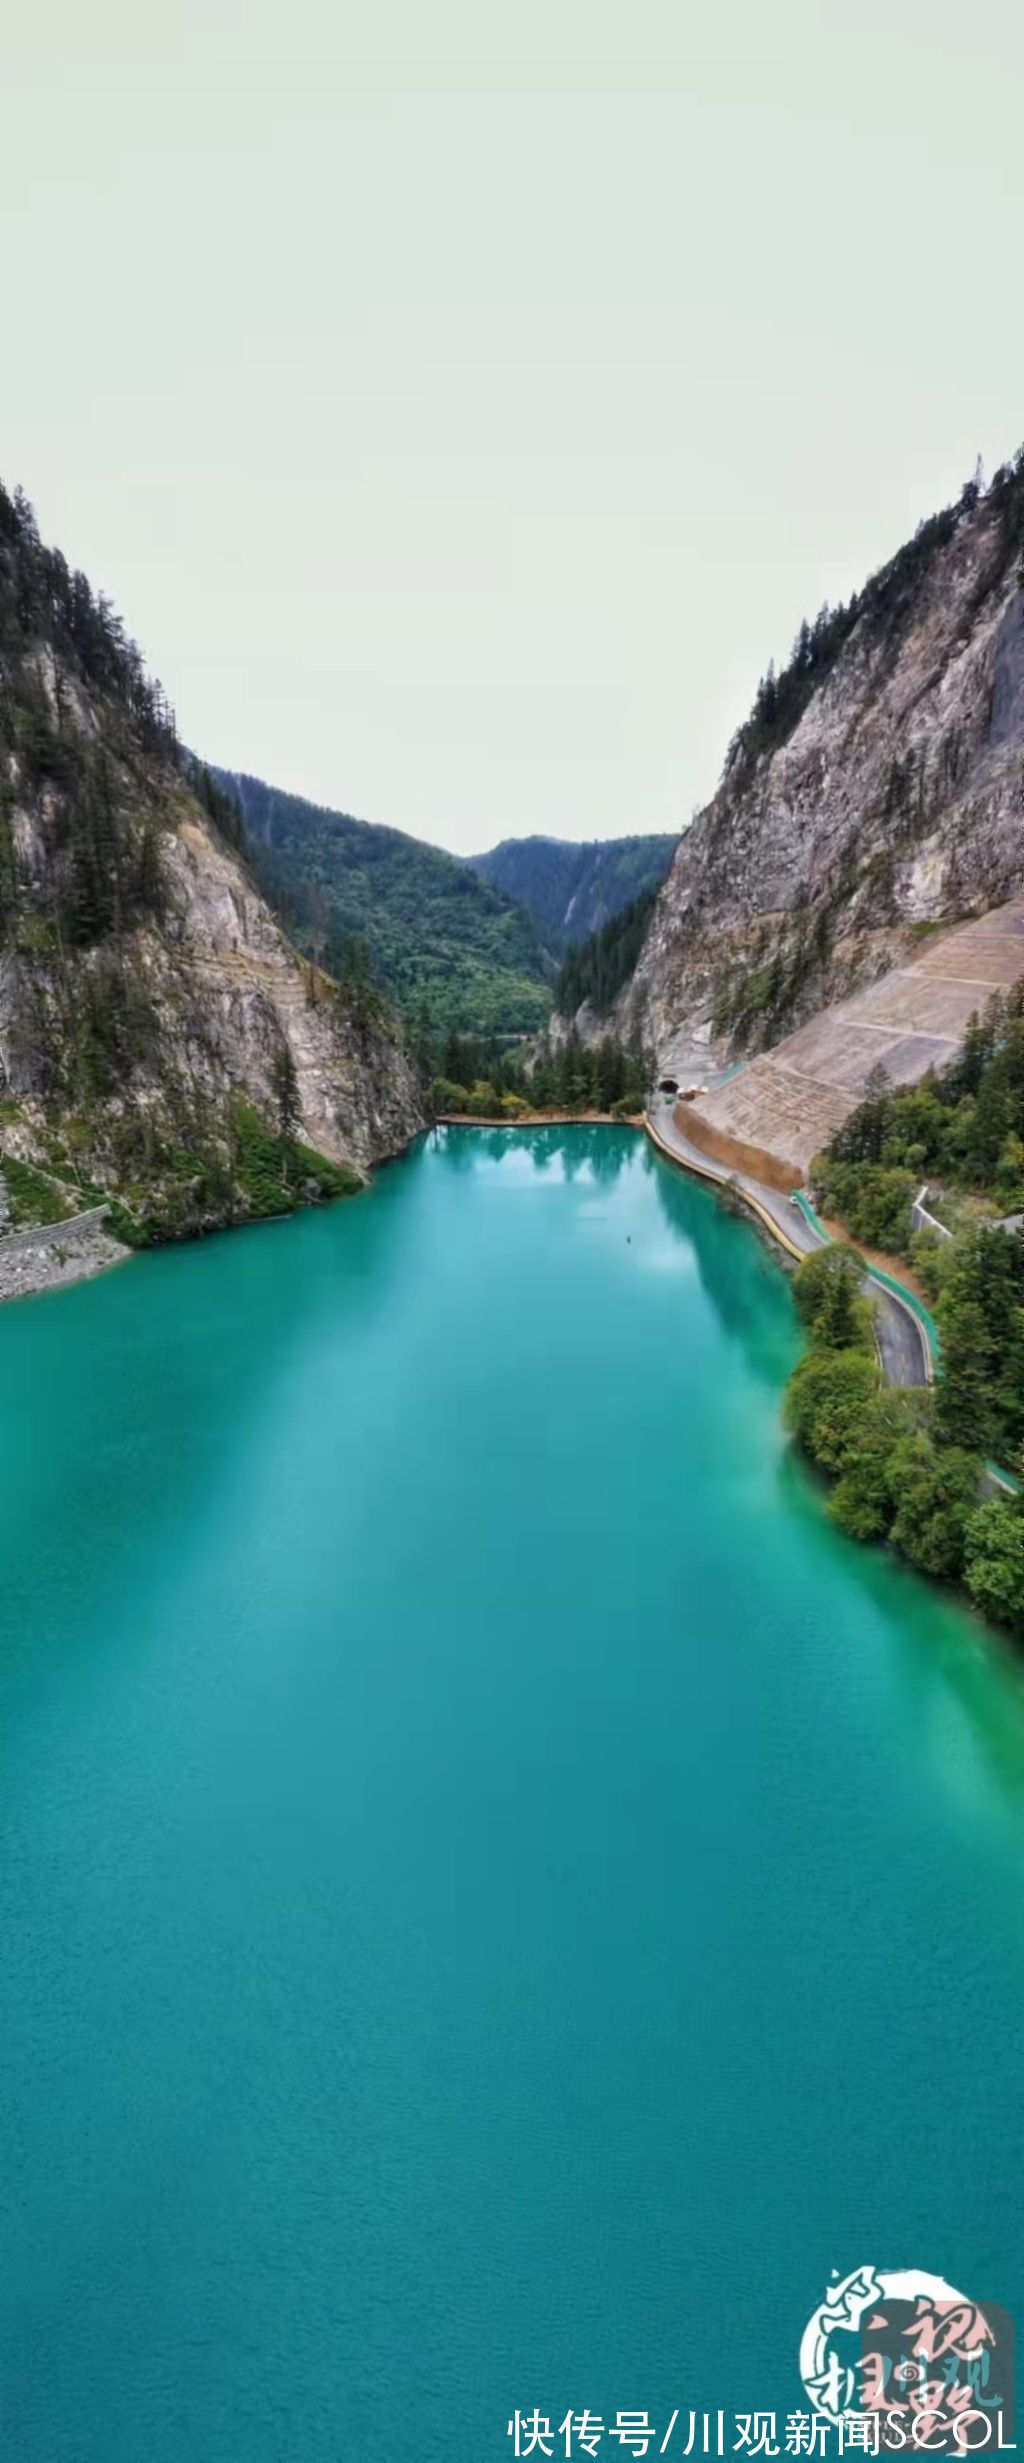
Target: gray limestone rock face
x,y
1006,722
226,989
895,802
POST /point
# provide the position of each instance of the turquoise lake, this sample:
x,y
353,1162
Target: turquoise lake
x,y
499,1900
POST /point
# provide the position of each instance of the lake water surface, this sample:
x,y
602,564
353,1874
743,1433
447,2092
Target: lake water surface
x,y
498,1899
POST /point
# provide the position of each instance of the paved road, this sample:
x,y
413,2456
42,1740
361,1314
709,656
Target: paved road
x,y
902,1342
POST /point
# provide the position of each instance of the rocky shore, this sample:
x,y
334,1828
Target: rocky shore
x,y
46,1255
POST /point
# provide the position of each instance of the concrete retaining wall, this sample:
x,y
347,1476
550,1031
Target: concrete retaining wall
x,y
48,1235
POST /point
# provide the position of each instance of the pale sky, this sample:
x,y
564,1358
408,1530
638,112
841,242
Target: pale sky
x,y
463,404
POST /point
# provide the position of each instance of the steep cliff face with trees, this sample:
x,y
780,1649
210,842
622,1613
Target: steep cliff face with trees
x,y
160,1041
592,974
877,789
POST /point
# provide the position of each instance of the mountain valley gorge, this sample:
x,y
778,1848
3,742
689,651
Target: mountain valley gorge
x,y
167,1048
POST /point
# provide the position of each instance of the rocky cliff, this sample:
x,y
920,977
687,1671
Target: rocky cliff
x,y
160,1040
876,791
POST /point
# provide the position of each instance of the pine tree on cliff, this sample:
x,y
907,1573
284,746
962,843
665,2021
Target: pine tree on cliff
x,y
285,1087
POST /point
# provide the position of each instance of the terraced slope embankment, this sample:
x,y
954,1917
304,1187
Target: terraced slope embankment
x,y
781,1108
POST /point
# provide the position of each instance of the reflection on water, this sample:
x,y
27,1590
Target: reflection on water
x,y
599,1151
965,1684
745,1281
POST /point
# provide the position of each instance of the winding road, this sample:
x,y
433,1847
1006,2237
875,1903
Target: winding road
x,y
901,1340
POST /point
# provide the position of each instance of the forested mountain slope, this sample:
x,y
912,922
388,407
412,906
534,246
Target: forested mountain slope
x,y
592,973
570,891
876,790
429,932
159,1038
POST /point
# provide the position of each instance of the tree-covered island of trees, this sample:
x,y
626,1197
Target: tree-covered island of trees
x,y
910,1467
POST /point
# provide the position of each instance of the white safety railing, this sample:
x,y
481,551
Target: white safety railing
x,y
922,1220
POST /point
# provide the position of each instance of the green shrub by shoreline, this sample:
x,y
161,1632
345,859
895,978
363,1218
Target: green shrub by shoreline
x,y
33,1197
901,1472
484,1083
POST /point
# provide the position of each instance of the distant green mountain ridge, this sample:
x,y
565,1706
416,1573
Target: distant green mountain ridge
x,y
571,890
434,935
